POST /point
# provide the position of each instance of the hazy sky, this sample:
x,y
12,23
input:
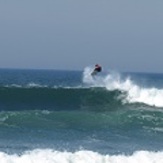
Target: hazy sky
x,y
123,35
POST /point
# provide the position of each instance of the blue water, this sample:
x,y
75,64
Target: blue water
x,y
111,113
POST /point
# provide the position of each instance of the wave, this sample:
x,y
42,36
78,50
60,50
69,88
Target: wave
x,y
68,98
35,98
49,156
150,120
135,93
100,93
29,85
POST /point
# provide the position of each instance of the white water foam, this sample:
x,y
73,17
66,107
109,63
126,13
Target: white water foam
x,y
29,85
50,156
135,93
35,85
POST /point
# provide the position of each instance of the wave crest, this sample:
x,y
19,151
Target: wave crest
x,y
135,93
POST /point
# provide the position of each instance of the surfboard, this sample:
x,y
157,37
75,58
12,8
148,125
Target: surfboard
x,y
94,73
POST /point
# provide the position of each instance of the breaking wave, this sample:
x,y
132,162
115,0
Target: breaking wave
x,y
135,93
49,156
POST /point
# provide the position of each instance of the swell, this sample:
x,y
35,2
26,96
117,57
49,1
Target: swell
x,y
13,98
123,119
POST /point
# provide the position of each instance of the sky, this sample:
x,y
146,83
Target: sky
x,y
122,35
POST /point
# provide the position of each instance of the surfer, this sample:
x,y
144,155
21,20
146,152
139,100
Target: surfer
x,y
97,69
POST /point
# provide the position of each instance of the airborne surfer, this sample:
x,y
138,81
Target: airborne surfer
x,y
97,69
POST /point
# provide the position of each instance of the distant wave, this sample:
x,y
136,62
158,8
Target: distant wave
x,y
49,156
135,93
29,85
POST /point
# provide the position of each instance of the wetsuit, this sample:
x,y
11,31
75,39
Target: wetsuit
x,y
96,70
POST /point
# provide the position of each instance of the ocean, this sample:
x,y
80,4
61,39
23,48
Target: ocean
x,y
54,116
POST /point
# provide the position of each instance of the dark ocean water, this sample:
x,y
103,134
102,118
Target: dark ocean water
x,y
70,116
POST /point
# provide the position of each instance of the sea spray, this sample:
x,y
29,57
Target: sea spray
x,y
135,93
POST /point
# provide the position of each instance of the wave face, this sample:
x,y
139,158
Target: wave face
x,y
59,99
